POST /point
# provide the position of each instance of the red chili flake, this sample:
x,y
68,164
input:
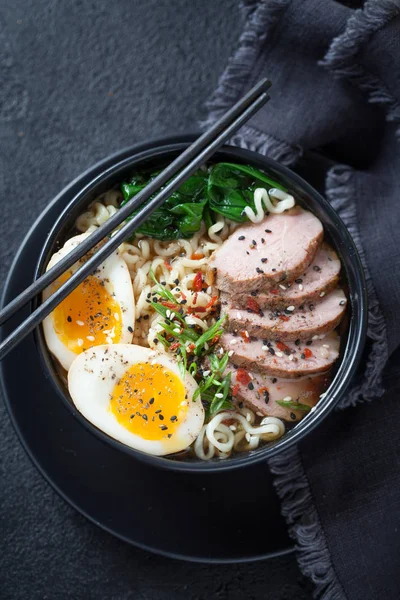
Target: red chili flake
x,y
212,302
183,296
283,318
170,304
200,309
198,282
191,347
235,389
253,305
245,336
166,263
197,256
214,340
195,298
281,346
228,421
307,353
275,292
243,377
174,346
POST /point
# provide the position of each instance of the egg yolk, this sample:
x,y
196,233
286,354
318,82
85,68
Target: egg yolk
x,y
88,317
150,401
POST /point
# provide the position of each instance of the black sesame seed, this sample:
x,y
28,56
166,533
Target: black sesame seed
x,y
158,411
151,401
253,293
170,435
69,319
241,237
311,307
268,231
161,417
259,270
342,302
271,350
254,242
240,405
130,329
298,281
302,355
266,396
309,342
297,342
264,260
176,281
273,270
144,417
250,386
287,352
274,380
262,241
163,427
292,416
173,418
247,252
146,317
316,268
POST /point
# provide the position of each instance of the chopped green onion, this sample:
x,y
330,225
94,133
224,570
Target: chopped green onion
x,y
294,405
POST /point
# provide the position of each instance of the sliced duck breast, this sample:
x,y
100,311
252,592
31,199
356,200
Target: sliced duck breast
x,y
283,359
290,324
259,255
275,397
320,278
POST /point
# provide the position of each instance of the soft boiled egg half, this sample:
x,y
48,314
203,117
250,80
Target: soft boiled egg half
x,y
137,397
101,310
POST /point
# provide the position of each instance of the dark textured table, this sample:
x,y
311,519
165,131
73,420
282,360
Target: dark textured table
x,y
79,80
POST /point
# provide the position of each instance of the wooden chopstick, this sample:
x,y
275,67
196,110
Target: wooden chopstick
x,y
171,178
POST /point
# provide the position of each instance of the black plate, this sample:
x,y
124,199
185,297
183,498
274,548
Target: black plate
x,y
199,517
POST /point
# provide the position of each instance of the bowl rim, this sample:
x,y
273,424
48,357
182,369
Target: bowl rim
x,y
356,335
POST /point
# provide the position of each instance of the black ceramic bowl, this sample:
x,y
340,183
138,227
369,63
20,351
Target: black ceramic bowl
x,y
119,167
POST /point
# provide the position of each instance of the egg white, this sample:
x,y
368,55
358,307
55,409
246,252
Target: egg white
x,y
91,381
114,271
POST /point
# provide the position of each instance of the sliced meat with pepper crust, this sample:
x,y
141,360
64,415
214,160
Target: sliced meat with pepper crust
x,y
283,359
260,393
320,278
259,255
290,324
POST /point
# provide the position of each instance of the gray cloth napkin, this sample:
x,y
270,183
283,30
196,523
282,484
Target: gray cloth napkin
x,y
334,116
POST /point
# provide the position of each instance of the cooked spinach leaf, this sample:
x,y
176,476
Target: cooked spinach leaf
x,y
224,189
